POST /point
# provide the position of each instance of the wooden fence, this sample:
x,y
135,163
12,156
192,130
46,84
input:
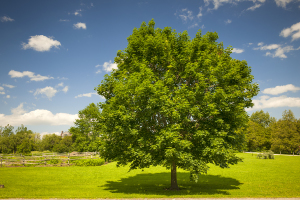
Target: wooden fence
x,y
47,159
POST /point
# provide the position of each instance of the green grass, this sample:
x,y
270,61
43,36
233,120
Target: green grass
x,y
252,178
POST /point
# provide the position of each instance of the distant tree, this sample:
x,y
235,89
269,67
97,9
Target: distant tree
x,y
285,134
49,141
175,102
86,132
258,134
65,145
262,118
6,142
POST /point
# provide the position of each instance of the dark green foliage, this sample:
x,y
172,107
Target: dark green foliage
x,y
175,101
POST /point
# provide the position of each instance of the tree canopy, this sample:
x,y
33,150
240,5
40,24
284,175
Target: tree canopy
x,y
175,102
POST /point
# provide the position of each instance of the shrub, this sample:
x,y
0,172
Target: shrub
x,y
88,162
53,161
266,155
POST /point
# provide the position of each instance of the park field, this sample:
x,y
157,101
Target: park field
x,y
251,178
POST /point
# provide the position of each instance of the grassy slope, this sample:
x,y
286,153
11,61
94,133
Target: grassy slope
x,y
252,178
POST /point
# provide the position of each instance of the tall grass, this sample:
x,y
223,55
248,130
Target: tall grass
x,y
251,178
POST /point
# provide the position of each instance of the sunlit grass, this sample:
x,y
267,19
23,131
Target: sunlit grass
x,y
252,178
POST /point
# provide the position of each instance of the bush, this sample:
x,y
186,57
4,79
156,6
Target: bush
x,y
53,161
266,155
88,162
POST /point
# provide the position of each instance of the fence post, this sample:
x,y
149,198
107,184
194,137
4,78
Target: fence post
x,y
24,161
1,161
45,160
69,160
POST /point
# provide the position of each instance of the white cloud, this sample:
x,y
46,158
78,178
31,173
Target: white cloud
x,y
41,43
236,50
48,91
77,12
250,43
64,20
7,96
294,30
282,3
9,86
252,8
279,50
80,25
65,89
18,110
200,12
1,90
185,14
228,21
36,117
281,89
274,102
89,95
60,84
6,19
193,25
219,3
31,75
109,66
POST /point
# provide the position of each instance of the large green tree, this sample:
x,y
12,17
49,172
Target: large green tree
x,y
175,102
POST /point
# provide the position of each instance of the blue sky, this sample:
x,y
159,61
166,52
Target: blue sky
x,y
54,53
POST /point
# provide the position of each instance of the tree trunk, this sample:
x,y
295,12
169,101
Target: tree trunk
x,y
174,185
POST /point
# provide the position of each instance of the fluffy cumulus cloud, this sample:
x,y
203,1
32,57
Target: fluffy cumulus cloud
x,y
41,43
236,50
80,25
293,31
37,117
109,66
31,75
274,102
280,89
6,19
278,50
46,92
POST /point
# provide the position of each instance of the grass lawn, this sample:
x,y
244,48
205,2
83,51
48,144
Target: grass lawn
x,y
252,178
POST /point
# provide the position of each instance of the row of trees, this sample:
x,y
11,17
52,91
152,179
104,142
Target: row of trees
x,y
85,136
24,141
265,132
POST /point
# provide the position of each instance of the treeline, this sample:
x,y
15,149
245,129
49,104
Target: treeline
x,y
85,136
24,141
266,133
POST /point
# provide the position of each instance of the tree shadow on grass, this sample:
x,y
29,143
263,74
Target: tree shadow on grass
x,y
157,184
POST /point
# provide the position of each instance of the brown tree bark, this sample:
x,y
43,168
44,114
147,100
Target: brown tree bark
x,y
174,185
